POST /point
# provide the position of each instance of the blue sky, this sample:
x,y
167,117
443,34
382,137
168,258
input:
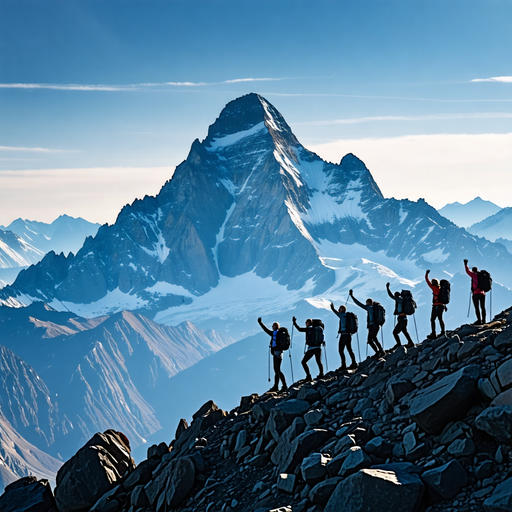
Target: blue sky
x,y
100,100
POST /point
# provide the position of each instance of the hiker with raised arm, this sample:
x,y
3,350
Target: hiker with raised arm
x,y
314,342
438,306
345,331
372,321
401,317
277,344
478,294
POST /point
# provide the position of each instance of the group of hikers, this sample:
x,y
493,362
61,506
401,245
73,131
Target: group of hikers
x,y
481,283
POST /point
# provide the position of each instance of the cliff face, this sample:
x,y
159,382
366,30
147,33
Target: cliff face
x,y
425,428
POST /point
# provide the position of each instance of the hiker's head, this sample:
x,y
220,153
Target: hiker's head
x,y
435,282
474,269
369,302
342,309
309,322
397,294
275,326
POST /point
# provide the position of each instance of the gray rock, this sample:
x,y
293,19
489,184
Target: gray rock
x,y
501,498
497,422
174,482
314,418
377,490
322,491
308,393
504,398
241,439
484,470
504,374
504,339
261,411
205,409
182,426
487,389
409,442
345,442
283,446
379,447
138,497
356,459
468,349
282,416
94,470
452,432
141,475
314,468
461,448
300,447
398,389
28,495
447,400
286,483
445,482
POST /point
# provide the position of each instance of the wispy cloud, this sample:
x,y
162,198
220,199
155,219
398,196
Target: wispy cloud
x,y
133,87
35,150
502,79
432,117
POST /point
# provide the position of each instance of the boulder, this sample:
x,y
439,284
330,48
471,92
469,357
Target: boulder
x,y
447,400
94,470
314,468
374,489
445,482
174,481
182,426
497,422
314,418
379,447
398,389
504,398
308,393
205,409
461,448
28,495
356,459
322,491
283,446
301,446
286,483
141,475
504,339
282,416
501,499
261,411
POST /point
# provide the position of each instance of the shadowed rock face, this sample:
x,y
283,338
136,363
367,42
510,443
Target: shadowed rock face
x,y
352,459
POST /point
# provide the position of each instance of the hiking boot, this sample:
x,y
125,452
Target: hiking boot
x,y
432,336
409,345
273,389
353,366
443,333
320,376
343,368
308,378
397,345
284,388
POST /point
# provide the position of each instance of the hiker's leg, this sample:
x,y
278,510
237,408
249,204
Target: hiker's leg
x,y
482,307
318,358
307,356
476,304
398,329
433,316
278,359
372,334
341,346
406,333
441,321
348,345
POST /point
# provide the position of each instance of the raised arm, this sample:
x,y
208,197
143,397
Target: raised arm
x,y
300,329
265,328
360,304
389,292
333,309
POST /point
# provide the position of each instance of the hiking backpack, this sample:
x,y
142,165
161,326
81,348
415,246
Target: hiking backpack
x,y
351,323
484,280
379,313
444,292
282,339
408,303
317,338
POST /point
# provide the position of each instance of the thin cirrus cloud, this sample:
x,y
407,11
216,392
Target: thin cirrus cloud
x,y
432,117
133,87
501,79
34,150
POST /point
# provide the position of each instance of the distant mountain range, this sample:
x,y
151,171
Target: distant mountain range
x,y
24,242
465,215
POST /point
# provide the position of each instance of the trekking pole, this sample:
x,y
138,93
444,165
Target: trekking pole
x,y
358,347
269,365
325,354
490,298
416,327
290,354
469,304
382,337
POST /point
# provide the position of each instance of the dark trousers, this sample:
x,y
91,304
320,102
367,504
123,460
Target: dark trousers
x,y
346,343
317,352
437,312
479,303
373,331
278,374
401,326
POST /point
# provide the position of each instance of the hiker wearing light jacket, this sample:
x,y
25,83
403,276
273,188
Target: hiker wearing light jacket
x,y
477,294
277,355
313,349
438,308
373,326
401,319
345,338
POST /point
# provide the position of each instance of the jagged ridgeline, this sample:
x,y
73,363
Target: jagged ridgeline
x,y
251,207
422,429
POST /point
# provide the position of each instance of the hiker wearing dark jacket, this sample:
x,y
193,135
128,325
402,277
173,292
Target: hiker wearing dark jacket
x,y
477,293
277,355
438,308
345,338
371,322
401,319
313,349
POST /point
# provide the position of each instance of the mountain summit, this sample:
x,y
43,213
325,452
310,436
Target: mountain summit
x,y
249,217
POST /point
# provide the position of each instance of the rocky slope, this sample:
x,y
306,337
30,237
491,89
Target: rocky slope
x,y
252,223
424,429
